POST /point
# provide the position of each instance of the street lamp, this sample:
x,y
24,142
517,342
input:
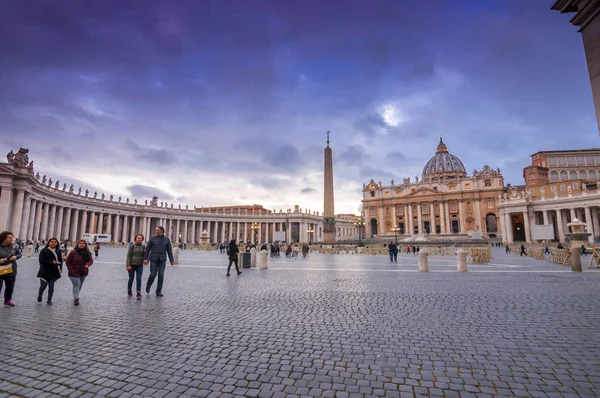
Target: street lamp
x,y
396,229
359,224
310,232
255,227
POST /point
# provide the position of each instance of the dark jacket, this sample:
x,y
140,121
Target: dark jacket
x,y
8,252
135,255
48,270
158,248
76,264
233,251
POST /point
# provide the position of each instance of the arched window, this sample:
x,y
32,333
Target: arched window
x,y
592,175
582,175
573,175
564,175
554,176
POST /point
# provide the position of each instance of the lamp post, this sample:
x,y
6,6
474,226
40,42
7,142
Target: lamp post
x,y
255,227
359,224
310,233
396,229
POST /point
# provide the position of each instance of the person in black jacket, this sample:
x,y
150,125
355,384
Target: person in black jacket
x,y
51,261
9,254
233,257
157,250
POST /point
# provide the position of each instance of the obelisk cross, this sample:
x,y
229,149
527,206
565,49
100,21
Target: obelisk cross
x,y
327,137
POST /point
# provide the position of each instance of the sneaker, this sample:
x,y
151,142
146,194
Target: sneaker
x,y
130,294
240,273
39,299
49,302
228,275
159,294
76,301
148,289
9,303
138,296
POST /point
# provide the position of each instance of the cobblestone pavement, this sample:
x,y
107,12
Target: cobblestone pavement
x,y
344,326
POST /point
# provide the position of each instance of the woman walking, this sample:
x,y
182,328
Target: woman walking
x,y
51,261
233,257
135,265
96,248
9,254
78,264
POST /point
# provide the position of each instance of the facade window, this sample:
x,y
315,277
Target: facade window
x,y
531,192
412,190
580,161
564,176
372,211
372,194
400,210
435,188
467,186
452,187
592,175
575,186
582,175
551,161
562,161
571,160
453,206
554,176
589,160
573,175
542,191
426,209
597,158
553,189
437,208
387,193
562,187
490,204
398,192
488,183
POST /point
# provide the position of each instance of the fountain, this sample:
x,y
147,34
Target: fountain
x,y
579,236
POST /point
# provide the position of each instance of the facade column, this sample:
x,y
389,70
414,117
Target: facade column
x,y
143,228
448,220
193,232
100,225
37,220
52,222
559,225
461,217
32,215
125,228
133,229
84,217
6,195
109,230
442,218
411,228
185,231
527,226
169,228
26,216
178,229
67,223
73,237
420,218
289,232
501,218
394,218
117,234
215,231
45,217
478,223
573,215
17,213
509,231
590,226
223,223
59,222
545,216
230,230
595,221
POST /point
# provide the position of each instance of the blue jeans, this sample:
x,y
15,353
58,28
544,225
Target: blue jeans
x,y
156,267
137,272
49,285
77,282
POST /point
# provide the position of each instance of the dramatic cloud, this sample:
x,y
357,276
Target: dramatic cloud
x,y
228,102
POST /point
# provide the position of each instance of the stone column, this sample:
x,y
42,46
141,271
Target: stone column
x,y
420,218
502,226
185,231
109,225
289,232
193,232
6,210
117,234
559,225
74,224
527,226
448,220
125,235
59,222
222,239
509,231
134,229
595,221
169,227
461,217
177,231
215,234
84,218
100,225
545,215
17,213
32,215
394,218
442,218
26,216
478,224
573,215
52,222
67,223
37,220
230,230
45,217
590,226
410,219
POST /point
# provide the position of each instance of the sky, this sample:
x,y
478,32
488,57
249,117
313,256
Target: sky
x,y
226,102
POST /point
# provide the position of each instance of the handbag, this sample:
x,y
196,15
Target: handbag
x,y
6,269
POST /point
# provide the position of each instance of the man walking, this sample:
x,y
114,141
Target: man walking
x,y
157,249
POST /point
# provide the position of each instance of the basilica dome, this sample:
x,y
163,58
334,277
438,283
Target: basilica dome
x,y
443,165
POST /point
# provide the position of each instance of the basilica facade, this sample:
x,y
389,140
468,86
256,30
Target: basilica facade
x,y
446,201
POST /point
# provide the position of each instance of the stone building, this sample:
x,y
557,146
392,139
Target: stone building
x,y
36,208
559,187
446,201
587,18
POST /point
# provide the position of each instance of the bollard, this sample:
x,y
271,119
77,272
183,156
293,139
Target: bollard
x,y
461,260
423,261
253,257
575,260
176,255
264,258
29,251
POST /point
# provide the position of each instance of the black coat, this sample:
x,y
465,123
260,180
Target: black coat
x,y
233,251
48,270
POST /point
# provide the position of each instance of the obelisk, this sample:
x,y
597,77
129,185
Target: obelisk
x,y
329,212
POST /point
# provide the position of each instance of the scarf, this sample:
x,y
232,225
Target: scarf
x,y
83,253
